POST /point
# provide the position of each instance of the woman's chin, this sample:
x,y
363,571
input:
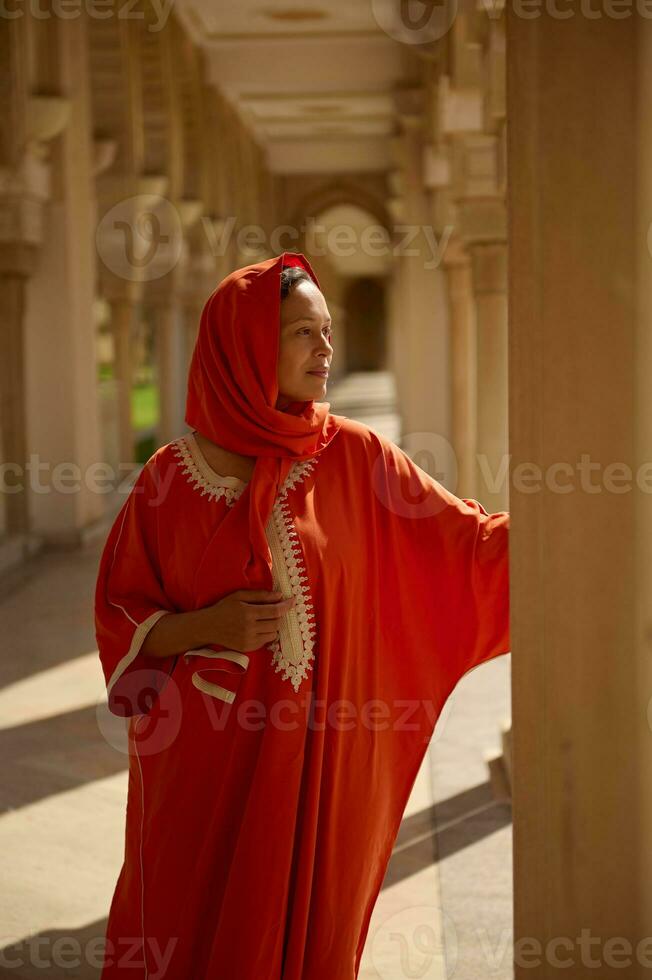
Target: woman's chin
x,y
308,396
315,388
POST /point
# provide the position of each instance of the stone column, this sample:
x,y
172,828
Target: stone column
x,y
482,225
13,443
177,299
456,264
59,324
170,359
461,165
420,346
463,364
123,312
580,201
25,191
199,280
489,280
127,203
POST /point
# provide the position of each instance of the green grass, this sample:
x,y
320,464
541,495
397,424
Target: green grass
x,y
145,413
144,406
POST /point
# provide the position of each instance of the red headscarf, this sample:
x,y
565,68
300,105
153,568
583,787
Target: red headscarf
x,y
232,394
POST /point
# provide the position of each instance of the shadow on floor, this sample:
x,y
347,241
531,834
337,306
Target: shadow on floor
x,y
446,827
58,954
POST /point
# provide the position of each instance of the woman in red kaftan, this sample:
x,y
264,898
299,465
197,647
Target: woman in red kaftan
x,y
266,787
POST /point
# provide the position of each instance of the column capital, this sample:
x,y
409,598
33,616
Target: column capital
x,y
457,110
114,188
105,150
477,166
483,221
477,187
46,117
24,192
140,233
436,175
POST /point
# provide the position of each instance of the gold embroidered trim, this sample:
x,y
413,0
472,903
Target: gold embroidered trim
x,y
137,640
202,477
207,481
293,650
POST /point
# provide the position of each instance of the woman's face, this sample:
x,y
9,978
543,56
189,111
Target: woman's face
x,y
304,345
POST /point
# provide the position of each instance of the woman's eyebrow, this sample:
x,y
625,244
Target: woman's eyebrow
x,y
296,320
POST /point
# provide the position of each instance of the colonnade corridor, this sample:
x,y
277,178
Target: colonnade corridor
x,y
472,186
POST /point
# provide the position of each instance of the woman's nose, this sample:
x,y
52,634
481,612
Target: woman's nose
x,y
325,346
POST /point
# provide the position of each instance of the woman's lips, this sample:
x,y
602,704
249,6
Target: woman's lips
x,y
321,374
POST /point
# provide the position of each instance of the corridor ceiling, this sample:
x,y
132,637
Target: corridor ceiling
x,y
314,81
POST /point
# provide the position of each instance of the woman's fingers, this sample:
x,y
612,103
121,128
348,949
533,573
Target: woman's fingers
x,y
268,623
271,613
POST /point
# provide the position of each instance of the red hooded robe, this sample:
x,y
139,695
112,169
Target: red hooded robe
x,y
266,788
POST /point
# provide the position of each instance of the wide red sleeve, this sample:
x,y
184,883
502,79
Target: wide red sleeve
x,y
129,600
447,562
482,591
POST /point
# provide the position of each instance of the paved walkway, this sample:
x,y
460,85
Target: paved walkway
x,y
63,794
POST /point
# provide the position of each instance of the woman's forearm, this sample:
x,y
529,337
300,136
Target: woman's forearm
x,y
176,633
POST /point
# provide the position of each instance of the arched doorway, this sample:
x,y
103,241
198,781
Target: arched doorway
x,y
364,305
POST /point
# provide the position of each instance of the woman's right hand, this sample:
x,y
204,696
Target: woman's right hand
x,y
245,619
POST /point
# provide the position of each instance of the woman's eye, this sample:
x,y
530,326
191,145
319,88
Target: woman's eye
x,y
328,330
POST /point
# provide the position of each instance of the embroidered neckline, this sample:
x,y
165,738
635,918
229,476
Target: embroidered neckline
x,y
207,471
208,482
293,650
202,477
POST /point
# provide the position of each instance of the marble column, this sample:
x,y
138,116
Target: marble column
x,y
420,346
123,312
59,324
125,200
463,366
13,443
580,204
170,358
489,280
23,200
